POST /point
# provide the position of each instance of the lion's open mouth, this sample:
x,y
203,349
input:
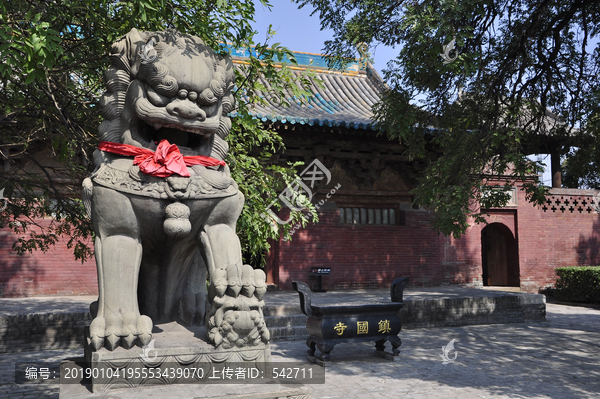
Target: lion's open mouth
x,y
182,138
155,123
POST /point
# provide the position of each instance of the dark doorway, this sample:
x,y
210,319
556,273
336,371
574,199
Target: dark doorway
x,y
500,256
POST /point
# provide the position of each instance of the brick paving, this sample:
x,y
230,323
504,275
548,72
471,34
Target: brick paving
x,y
559,358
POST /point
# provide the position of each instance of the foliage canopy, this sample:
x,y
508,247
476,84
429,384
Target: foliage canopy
x,y
52,56
524,80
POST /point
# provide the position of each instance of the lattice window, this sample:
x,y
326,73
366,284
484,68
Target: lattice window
x,y
572,204
355,215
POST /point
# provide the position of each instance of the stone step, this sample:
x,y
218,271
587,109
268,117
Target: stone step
x,y
286,326
290,333
462,311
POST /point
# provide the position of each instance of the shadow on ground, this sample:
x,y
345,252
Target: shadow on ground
x,y
554,359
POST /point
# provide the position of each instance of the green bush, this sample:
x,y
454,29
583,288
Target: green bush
x,y
578,284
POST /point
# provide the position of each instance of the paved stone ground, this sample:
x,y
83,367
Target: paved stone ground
x,y
559,358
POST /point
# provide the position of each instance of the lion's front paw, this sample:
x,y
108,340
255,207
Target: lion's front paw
x,y
120,328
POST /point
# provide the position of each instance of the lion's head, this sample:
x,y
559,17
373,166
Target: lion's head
x,y
167,85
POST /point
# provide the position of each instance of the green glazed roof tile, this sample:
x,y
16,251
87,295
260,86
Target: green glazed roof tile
x,y
345,99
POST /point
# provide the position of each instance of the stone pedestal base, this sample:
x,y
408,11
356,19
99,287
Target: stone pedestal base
x,y
176,355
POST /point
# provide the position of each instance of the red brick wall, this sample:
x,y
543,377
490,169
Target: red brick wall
x,y
55,272
361,255
461,263
366,255
548,239
373,255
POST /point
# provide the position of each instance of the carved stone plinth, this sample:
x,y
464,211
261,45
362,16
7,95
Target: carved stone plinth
x,y
173,347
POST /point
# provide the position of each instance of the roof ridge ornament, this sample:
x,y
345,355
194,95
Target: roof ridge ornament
x,y
365,55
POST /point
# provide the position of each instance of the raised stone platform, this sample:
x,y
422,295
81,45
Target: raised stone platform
x,y
184,350
57,322
461,311
448,306
42,323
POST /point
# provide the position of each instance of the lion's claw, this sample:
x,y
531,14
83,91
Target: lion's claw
x,y
120,329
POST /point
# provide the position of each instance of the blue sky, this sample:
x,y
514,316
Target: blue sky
x,y
299,31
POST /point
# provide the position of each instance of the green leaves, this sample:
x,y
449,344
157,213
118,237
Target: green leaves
x,y
524,81
53,56
264,75
30,44
578,284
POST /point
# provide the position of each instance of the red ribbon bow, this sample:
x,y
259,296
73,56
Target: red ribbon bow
x,y
164,162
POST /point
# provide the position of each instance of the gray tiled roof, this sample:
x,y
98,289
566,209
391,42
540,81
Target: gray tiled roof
x,y
344,98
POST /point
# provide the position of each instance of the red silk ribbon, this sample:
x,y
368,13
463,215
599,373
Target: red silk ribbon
x,y
163,162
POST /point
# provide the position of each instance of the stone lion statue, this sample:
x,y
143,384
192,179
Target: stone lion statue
x,y
162,201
